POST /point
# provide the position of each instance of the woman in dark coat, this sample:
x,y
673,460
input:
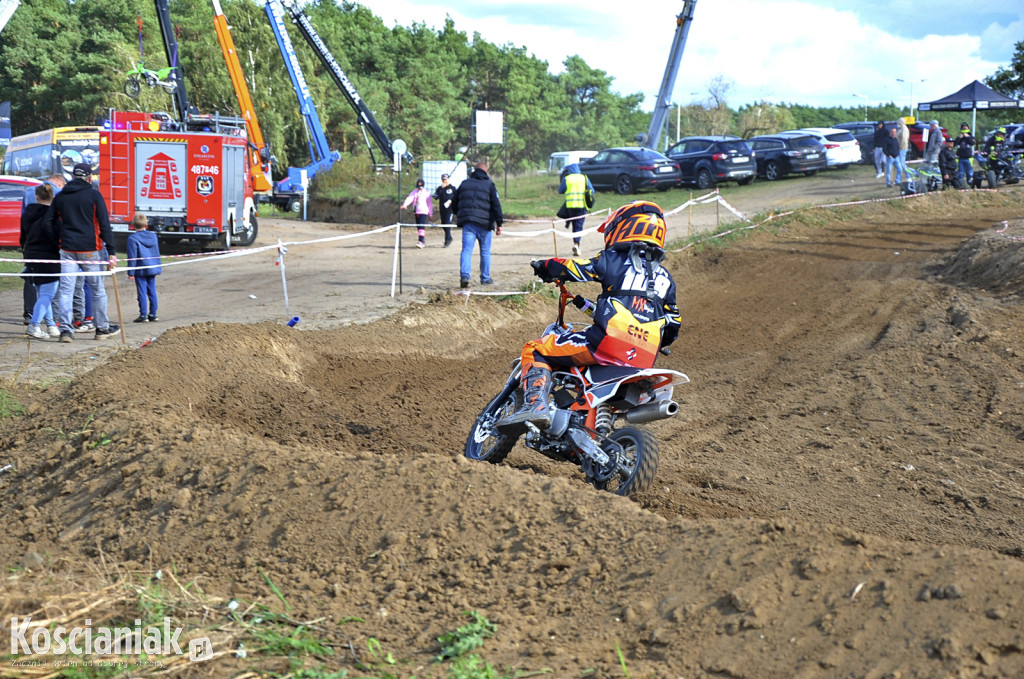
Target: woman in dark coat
x,y
40,242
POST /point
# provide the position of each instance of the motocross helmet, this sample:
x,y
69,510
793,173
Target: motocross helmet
x,y
638,222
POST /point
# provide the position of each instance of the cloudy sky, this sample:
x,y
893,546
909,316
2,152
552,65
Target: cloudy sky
x,y
815,52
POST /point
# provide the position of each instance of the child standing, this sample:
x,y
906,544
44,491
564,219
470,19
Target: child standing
x,y
424,209
144,251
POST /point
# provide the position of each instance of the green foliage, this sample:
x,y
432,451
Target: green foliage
x,y
9,406
1010,81
466,638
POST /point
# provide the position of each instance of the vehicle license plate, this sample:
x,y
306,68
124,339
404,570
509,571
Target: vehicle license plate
x,y
740,159
812,155
205,229
665,168
115,226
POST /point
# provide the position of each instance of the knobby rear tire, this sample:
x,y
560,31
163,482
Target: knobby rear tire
x,y
642,452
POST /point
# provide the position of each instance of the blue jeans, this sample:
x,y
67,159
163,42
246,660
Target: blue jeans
x,y
966,169
70,262
471,233
145,288
43,309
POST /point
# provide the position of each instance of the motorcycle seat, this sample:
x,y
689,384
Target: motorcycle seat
x,y
606,373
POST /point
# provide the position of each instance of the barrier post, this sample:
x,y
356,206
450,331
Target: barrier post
x,y
554,238
689,215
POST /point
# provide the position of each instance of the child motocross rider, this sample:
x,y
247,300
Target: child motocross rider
x,y
635,314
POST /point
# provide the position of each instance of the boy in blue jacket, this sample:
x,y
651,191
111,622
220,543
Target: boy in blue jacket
x,y
144,251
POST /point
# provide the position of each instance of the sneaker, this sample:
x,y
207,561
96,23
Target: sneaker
x,y
27,318
86,326
575,250
141,319
67,337
104,333
34,331
53,331
420,244
153,318
448,243
463,283
879,175
487,282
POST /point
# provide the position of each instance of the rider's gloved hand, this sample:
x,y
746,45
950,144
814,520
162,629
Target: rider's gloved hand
x,y
540,270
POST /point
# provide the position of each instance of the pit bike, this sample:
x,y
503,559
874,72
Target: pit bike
x,y
1004,167
140,74
589,402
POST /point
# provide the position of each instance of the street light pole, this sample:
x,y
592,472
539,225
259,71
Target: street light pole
x,y
865,103
911,83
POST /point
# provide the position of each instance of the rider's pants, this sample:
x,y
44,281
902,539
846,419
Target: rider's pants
x,y
558,351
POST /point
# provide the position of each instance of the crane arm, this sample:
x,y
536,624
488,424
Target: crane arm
x,y
163,16
668,81
259,155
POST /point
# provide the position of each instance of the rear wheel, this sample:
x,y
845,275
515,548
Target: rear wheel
x,y
771,171
169,87
247,237
634,452
624,184
993,180
704,179
485,442
745,181
295,205
132,87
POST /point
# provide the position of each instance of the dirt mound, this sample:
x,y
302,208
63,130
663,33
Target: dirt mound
x,y
840,496
374,211
993,261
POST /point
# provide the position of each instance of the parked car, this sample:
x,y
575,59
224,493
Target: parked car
x,y
918,138
864,133
841,149
12,195
706,161
629,169
787,152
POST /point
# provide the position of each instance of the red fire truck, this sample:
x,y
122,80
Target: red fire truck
x,y
192,185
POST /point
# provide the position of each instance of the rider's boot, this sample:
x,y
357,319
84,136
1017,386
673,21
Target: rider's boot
x,y
535,409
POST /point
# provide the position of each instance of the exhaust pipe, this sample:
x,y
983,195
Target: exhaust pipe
x,y
652,412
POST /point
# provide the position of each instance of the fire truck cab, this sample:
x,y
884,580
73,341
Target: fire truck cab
x,y
192,185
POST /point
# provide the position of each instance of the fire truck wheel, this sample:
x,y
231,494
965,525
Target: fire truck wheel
x,y
248,237
295,205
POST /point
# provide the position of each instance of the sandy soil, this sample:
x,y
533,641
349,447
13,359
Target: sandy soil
x,y
842,494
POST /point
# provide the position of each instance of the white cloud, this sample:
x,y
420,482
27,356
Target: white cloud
x,y
796,51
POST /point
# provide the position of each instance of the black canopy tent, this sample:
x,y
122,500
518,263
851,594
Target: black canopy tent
x,y
970,98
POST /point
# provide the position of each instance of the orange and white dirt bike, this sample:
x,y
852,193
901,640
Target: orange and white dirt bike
x,y
589,403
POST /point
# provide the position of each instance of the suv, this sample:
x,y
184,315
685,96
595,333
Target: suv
x,y
864,133
841,148
706,161
786,152
12,196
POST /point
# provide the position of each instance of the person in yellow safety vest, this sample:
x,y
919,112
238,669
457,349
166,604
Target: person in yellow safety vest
x,y
579,195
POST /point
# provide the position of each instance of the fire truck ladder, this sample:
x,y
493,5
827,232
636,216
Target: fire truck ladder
x,y
363,113
322,156
118,176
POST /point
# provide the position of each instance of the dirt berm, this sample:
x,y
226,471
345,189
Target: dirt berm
x,y
842,494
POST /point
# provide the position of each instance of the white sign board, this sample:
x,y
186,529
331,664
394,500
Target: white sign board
x,y
489,127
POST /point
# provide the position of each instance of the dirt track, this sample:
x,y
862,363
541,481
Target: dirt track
x,y
841,496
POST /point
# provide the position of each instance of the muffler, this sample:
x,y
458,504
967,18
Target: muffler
x,y
652,412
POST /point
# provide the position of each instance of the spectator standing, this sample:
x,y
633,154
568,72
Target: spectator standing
x,y
575,185
478,211
934,144
424,207
28,293
443,197
903,135
39,242
143,250
965,154
879,153
891,149
82,224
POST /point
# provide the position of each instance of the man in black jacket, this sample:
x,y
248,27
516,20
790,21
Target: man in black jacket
x,y
891,149
82,224
443,197
478,212
965,154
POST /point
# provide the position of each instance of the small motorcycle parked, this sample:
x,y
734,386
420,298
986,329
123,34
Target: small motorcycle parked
x,y
589,402
1005,167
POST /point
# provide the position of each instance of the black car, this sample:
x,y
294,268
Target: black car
x,y
628,169
864,133
706,161
786,152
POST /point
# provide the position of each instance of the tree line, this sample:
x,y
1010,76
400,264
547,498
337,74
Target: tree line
x,y
63,62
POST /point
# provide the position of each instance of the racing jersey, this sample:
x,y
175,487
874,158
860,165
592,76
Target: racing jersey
x,y
629,327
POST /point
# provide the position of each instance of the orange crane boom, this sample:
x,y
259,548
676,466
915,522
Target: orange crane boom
x,y
259,154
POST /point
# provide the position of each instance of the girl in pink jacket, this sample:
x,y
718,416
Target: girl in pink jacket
x,y
424,203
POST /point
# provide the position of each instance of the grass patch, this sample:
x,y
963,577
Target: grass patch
x,y
10,282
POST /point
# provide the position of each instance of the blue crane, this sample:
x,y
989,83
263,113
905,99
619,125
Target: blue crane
x,y
319,150
668,81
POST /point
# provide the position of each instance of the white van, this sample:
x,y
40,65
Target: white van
x,y
559,159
